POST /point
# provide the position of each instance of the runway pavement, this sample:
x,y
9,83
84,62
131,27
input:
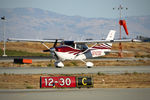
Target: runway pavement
x,y
75,70
76,94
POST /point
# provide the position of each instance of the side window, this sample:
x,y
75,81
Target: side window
x,y
69,43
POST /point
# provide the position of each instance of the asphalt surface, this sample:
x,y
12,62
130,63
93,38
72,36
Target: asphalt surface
x,y
75,70
76,94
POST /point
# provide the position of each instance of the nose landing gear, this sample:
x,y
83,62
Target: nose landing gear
x,y
88,64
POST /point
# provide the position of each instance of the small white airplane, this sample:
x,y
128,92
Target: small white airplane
x,y
78,50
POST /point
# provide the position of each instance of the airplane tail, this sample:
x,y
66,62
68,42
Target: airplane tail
x,y
110,36
104,48
107,46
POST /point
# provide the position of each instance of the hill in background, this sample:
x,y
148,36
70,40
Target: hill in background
x,y
39,24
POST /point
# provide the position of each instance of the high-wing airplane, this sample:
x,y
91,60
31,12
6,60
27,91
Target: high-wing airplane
x,y
78,50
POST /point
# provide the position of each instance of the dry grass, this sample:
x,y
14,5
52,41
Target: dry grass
x,y
139,50
136,49
33,47
134,80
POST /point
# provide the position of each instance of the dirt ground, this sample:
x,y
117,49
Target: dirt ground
x,y
126,80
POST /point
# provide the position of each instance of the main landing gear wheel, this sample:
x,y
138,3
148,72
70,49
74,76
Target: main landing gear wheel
x,y
89,64
59,64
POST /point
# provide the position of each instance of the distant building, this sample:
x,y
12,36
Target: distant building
x,y
144,39
89,39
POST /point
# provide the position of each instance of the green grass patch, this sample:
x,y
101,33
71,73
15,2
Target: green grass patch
x,y
21,53
29,87
74,63
100,73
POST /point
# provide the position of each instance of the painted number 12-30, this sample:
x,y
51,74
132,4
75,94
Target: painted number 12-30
x,y
58,81
61,82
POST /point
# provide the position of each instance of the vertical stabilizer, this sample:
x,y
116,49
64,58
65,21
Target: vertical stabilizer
x,y
111,35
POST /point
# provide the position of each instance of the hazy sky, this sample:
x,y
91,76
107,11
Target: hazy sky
x,y
86,8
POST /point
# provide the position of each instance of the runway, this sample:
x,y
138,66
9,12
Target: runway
x,y
76,94
75,70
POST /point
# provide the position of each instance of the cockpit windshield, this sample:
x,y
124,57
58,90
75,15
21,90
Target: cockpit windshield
x,y
69,43
77,46
81,46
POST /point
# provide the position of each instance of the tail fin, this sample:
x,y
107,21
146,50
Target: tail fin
x,y
107,46
111,35
104,48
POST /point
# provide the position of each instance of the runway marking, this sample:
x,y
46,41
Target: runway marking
x,y
74,94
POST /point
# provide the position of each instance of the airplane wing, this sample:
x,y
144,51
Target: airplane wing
x,y
35,40
107,41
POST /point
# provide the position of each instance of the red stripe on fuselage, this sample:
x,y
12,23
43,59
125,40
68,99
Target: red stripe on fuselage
x,y
101,47
67,49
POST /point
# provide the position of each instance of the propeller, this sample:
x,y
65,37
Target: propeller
x,y
52,49
47,50
55,43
